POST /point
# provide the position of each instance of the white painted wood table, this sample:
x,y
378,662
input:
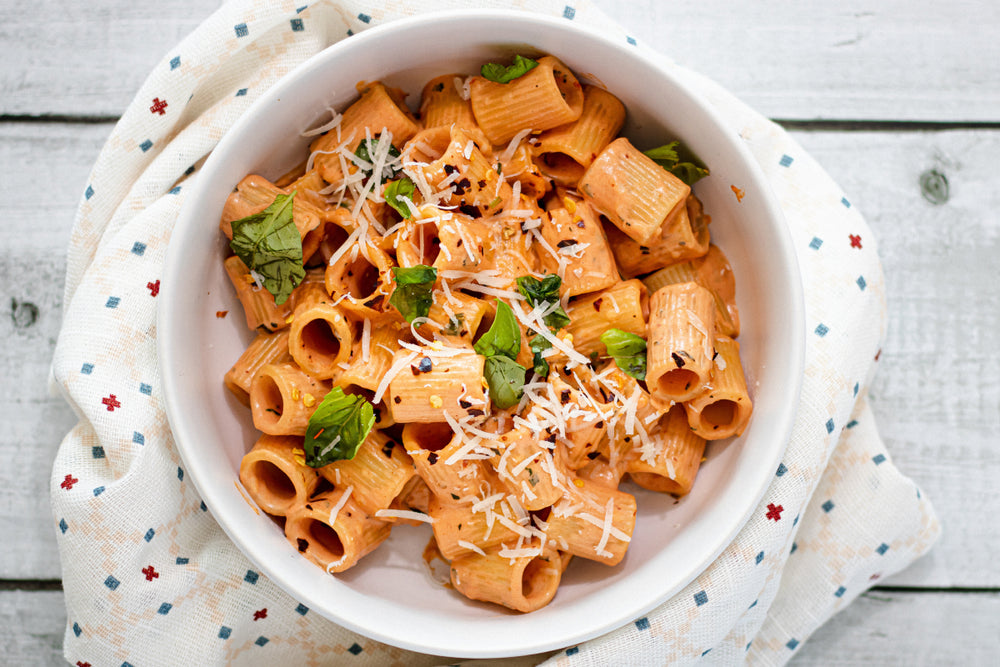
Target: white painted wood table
x,y
884,93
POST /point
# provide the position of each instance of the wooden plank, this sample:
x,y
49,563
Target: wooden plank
x,y
882,628
915,60
936,393
32,269
854,59
32,624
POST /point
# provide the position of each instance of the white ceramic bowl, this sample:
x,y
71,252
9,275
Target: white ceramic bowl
x,y
390,596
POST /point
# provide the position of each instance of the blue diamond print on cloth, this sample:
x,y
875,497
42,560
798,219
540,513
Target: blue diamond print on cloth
x,y
138,438
146,145
98,491
792,643
878,459
299,10
204,507
355,649
261,640
175,62
97,452
297,25
840,592
752,605
816,243
302,609
749,644
572,650
847,204
705,652
174,190
89,192
785,161
224,632
861,283
145,388
138,248
251,577
112,302
364,18
827,506
149,535
829,426
795,521
76,629
182,561
164,608
111,582
822,330
856,387
852,423
882,548
180,474
781,470
241,92
126,664
241,30
642,623
795,547
63,526
87,369
630,40
700,598
760,557
569,12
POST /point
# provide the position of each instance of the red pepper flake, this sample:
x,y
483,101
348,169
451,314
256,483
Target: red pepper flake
x,y
221,313
319,433
738,192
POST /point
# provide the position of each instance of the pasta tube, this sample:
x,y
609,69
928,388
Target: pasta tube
x,y
275,475
333,532
681,334
723,408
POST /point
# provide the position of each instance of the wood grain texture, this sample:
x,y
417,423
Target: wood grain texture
x,y
32,624
888,629
854,59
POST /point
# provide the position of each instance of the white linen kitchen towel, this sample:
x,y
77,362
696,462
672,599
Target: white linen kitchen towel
x,y
151,579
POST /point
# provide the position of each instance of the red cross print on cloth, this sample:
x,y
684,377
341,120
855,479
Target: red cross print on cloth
x,y
68,482
82,664
774,511
257,615
158,106
154,288
855,240
150,573
112,402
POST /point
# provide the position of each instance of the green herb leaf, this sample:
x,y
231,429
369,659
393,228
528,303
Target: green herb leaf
x,y
454,326
404,187
539,344
413,294
679,161
505,378
628,351
500,74
369,147
270,245
545,291
337,428
503,338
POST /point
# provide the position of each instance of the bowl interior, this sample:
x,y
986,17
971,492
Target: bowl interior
x,y
390,596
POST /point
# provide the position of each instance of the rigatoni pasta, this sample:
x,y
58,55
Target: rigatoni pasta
x,y
495,316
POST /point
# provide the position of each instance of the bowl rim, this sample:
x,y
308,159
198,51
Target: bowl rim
x,y
169,303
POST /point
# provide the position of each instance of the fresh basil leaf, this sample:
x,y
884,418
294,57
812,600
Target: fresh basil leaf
x,y
404,187
413,294
500,74
271,246
505,378
539,344
679,161
369,147
503,338
544,291
628,351
337,428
